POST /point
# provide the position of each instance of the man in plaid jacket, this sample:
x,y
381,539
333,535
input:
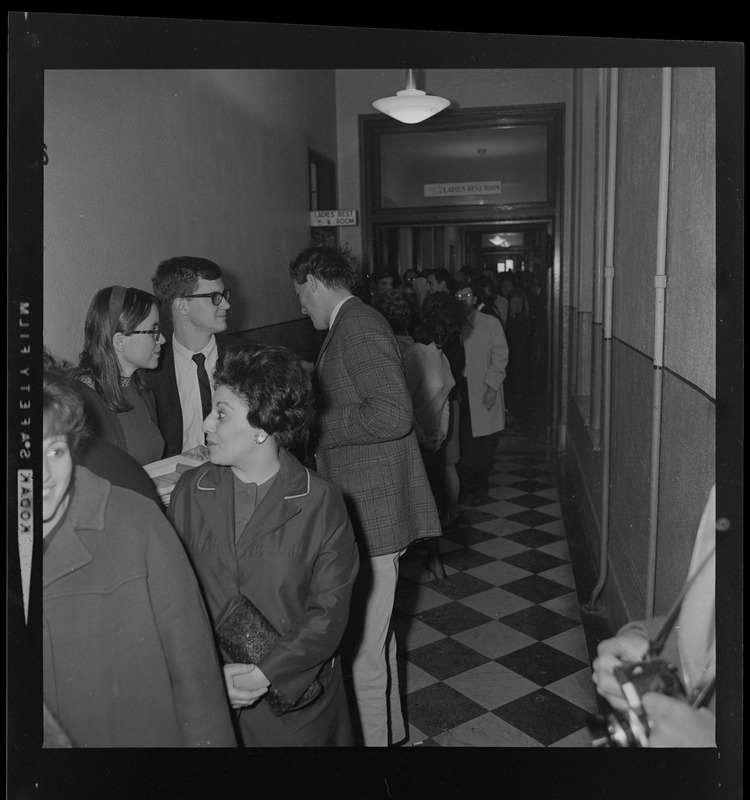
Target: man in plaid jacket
x,y
365,443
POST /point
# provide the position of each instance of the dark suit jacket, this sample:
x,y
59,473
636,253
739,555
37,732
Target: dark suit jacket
x,y
163,383
365,438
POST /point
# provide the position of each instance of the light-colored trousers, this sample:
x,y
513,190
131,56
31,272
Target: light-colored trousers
x,y
374,671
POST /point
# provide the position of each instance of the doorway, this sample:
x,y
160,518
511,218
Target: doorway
x,y
479,187
500,246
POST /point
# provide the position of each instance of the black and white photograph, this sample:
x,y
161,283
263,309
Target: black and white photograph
x,y
373,387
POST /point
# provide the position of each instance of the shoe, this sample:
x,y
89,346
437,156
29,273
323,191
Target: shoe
x,y
434,565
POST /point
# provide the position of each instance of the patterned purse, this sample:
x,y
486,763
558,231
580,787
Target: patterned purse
x,y
245,635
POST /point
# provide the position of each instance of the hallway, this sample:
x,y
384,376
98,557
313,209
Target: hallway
x,y
495,655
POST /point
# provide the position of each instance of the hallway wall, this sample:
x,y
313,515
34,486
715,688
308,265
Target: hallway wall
x,y
687,439
149,164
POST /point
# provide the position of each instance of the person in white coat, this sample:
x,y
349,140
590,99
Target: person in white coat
x,y
482,403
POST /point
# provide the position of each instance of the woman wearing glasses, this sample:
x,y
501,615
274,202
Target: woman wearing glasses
x,y
122,338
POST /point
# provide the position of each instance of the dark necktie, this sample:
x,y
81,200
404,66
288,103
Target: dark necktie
x,y
203,383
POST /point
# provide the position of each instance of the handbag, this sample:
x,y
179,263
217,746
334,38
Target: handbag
x,y
245,636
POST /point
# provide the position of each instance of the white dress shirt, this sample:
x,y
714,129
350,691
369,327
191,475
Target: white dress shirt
x,y
186,372
336,310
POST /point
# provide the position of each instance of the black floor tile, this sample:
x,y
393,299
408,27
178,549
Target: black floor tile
x,y
528,472
470,516
453,617
532,537
445,658
530,500
539,622
439,708
534,561
544,716
537,589
541,663
466,536
465,558
458,585
532,518
532,486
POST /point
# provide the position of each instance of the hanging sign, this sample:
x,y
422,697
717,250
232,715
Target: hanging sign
x,y
462,189
333,218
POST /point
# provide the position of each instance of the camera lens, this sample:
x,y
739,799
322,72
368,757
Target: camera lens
x,y
618,730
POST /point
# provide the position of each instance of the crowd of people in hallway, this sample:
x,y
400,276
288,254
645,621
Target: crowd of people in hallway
x,y
314,479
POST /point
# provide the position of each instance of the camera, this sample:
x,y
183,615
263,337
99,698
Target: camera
x,y
631,728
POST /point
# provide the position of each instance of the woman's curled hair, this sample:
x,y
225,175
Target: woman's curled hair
x,y
274,385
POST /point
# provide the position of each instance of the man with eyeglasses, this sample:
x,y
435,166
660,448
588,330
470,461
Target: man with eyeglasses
x,y
190,291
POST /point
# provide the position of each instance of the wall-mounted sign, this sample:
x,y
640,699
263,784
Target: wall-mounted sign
x,y
462,189
332,218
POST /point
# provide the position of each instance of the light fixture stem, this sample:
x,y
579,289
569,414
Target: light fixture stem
x,y
410,82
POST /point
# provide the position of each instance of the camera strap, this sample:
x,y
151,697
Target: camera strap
x,y
657,643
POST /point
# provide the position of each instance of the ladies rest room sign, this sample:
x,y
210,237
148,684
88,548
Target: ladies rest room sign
x,y
333,218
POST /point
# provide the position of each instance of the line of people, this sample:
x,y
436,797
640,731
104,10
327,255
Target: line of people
x,y
316,551
319,476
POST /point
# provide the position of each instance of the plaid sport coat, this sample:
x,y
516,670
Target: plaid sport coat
x,y
365,436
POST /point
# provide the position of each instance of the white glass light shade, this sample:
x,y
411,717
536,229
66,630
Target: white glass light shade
x,y
411,105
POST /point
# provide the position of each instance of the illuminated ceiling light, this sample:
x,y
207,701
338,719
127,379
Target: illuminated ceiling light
x,y
411,105
499,241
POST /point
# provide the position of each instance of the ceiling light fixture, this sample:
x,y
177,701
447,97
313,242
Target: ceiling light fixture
x,y
411,105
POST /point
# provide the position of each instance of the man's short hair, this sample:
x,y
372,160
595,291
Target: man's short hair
x,y
334,268
442,275
178,276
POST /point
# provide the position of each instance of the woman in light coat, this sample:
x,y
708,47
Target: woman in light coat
x,y
127,650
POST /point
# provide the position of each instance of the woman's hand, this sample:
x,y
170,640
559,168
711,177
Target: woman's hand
x,y
245,684
611,653
490,398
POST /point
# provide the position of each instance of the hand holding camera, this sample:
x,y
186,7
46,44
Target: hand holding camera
x,y
611,653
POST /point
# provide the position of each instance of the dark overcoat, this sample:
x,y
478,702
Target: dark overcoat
x,y
163,383
365,437
296,560
128,653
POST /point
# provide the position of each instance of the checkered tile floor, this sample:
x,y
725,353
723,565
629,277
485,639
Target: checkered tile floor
x,y
495,655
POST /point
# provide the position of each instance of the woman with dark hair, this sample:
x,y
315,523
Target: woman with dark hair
x,y
430,378
392,304
441,322
262,528
122,337
127,650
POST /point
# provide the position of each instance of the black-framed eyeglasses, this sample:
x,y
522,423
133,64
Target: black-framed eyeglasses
x,y
216,297
155,332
